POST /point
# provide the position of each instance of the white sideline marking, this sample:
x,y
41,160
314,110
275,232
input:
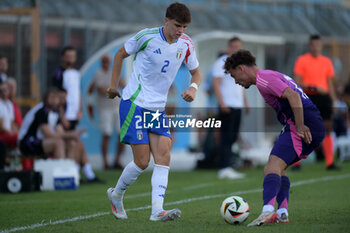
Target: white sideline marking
x,y
78,218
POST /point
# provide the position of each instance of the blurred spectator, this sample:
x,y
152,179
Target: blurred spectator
x,y
108,109
231,98
211,141
3,68
42,134
37,135
315,74
67,79
12,84
8,130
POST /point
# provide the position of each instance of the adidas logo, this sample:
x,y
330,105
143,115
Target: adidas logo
x,y
157,51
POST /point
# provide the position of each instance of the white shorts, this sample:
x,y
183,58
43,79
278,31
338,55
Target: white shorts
x,y
109,121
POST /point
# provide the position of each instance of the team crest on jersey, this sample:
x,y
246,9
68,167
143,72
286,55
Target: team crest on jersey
x,y
139,134
179,53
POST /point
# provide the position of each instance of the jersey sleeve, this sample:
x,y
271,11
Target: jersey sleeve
x,y
191,60
134,44
298,66
218,70
274,85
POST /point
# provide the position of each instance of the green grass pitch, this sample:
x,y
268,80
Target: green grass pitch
x,y
319,202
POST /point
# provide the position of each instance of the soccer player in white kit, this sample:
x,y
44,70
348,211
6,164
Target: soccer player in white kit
x,y
159,53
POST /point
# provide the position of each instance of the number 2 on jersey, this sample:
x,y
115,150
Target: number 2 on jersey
x,y
165,66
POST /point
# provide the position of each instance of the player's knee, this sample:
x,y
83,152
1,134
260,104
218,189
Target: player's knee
x,y
142,163
272,168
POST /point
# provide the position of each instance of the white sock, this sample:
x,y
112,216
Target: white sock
x,y
128,177
281,211
89,173
159,184
268,208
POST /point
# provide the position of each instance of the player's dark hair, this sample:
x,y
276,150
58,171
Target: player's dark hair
x,y
242,57
314,37
234,39
67,48
49,91
179,12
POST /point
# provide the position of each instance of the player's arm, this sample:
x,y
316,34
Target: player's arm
x,y
189,94
297,107
112,91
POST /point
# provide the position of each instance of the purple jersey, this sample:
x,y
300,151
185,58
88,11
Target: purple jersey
x,y
271,85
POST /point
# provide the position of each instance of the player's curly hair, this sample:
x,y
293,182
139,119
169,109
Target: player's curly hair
x,y
242,57
179,12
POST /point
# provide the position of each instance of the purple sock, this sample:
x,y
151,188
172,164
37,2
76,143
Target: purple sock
x,y
272,183
283,195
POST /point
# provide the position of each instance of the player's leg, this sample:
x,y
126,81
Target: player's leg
x,y
271,186
160,148
283,198
141,154
133,134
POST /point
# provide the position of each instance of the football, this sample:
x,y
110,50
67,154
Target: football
x,y
234,210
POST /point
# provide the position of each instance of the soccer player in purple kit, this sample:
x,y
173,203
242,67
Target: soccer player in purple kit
x,y
303,129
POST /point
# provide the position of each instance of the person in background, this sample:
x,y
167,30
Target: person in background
x,y
108,110
315,74
67,80
231,98
12,84
211,142
303,130
42,134
8,129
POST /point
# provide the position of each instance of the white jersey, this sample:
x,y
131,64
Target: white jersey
x,y
232,93
71,83
155,66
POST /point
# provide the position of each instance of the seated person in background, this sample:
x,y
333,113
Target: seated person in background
x,y
8,130
42,134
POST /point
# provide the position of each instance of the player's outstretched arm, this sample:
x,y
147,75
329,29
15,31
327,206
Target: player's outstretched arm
x,y
112,91
189,94
297,107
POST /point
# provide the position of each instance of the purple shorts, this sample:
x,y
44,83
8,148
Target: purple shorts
x,y
290,147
